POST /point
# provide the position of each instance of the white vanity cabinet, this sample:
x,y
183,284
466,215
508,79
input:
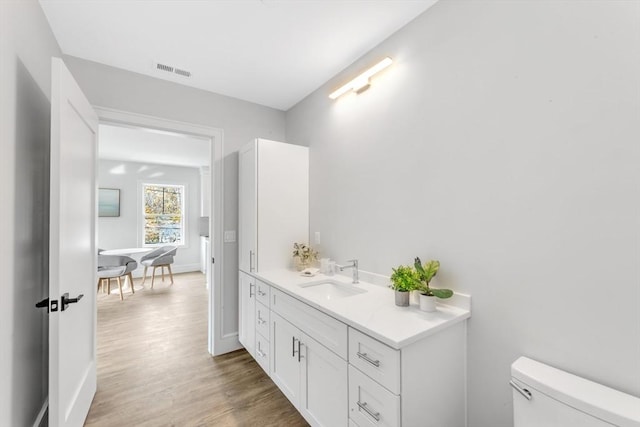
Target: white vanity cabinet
x,y
273,198
308,360
341,375
423,384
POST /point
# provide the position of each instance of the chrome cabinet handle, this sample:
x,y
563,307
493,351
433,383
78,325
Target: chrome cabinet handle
x,y
299,352
251,286
365,408
293,346
366,358
261,293
523,391
259,351
251,268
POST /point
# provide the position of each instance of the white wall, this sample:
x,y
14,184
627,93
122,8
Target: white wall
x,y
503,142
241,121
125,231
26,47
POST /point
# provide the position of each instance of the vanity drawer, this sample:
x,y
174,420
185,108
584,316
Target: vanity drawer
x,y
323,328
370,404
262,292
262,352
262,320
377,360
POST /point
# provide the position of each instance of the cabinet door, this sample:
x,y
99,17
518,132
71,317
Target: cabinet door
x,y
324,395
285,366
248,209
247,312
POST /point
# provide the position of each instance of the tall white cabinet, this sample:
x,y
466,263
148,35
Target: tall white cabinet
x,y
273,214
273,203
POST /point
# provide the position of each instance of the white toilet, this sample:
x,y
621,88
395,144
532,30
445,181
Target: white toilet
x,y
548,397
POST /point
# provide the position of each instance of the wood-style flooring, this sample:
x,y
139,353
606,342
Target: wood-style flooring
x,y
154,368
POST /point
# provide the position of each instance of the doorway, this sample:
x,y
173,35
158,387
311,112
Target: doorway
x,y
218,342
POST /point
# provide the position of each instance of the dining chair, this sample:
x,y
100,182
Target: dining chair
x,y
115,267
161,257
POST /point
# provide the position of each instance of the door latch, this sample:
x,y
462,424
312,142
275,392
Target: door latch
x,y
65,300
45,304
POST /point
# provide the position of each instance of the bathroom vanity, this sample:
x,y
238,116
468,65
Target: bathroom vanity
x,y
345,355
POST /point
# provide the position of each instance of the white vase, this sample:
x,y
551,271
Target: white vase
x,y
415,297
427,303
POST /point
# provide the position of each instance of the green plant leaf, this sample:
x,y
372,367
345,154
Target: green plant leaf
x,y
404,278
442,293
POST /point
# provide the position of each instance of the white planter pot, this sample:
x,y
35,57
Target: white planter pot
x,y
427,303
415,297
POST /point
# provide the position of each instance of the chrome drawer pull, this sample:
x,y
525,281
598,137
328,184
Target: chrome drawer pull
x,y
366,357
259,351
523,391
374,415
251,285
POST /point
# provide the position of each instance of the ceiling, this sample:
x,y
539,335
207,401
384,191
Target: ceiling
x,y
270,52
151,146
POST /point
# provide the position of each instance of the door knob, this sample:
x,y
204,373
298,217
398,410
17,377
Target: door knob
x,y
65,300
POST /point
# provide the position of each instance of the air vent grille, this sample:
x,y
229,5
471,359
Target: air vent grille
x,y
182,72
171,69
163,67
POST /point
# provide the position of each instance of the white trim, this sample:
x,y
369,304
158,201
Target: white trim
x,y
219,343
41,414
175,269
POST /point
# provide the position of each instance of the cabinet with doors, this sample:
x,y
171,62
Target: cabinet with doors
x,y
273,198
247,310
338,375
310,374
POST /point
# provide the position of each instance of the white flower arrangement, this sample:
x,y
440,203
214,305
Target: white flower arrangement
x,y
304,253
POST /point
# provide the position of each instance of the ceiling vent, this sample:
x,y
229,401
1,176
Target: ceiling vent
x,y
170,69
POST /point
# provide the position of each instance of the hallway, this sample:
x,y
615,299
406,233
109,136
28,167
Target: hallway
x,y
154,369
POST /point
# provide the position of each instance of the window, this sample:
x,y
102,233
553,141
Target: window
x,y
163,214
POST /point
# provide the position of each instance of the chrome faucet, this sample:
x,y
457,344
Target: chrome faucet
x,y
354,266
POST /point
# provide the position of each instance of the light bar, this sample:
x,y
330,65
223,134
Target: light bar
x,y
361,83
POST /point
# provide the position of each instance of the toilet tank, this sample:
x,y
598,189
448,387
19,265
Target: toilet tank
x,y
544,396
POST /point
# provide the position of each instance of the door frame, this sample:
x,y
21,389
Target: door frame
x,y
218,342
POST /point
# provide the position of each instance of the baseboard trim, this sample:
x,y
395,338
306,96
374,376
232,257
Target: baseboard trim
x,y
42,414
175,268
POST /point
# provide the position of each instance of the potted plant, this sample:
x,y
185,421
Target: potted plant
x,y
303,256
404,280
428,294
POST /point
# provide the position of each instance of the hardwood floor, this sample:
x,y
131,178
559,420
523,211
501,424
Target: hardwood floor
x,y
154,368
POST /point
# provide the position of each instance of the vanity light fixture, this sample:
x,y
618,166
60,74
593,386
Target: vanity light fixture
x,y
361,83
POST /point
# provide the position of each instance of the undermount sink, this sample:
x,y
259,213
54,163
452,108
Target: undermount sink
x,y
331,290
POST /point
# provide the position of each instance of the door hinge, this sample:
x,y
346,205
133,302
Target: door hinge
x,y
213,260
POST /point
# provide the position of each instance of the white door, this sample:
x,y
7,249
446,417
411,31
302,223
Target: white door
x,y
247,207
324,399
285,359
72,251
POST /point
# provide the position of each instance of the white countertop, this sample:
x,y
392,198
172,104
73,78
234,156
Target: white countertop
x,y
373,312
